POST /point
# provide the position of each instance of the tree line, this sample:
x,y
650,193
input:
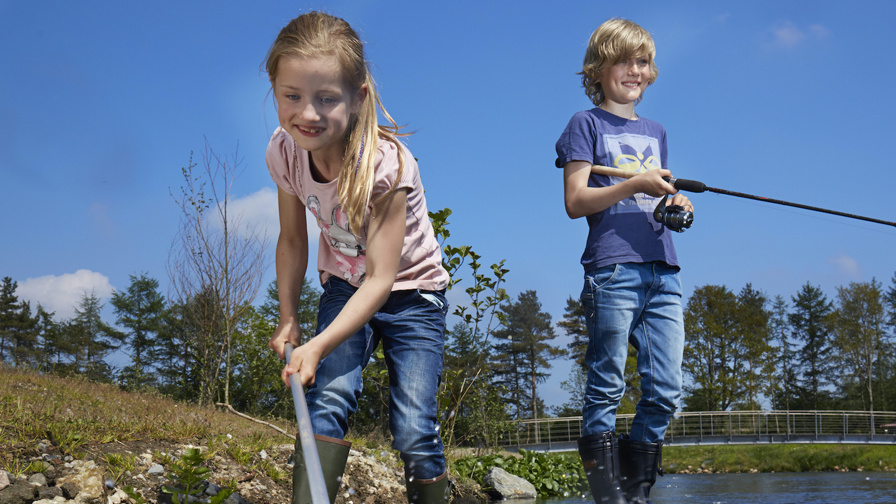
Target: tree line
x,y
206,342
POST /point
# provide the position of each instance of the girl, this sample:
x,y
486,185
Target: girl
x,y
379,262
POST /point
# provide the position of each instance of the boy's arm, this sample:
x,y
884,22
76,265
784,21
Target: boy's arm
x,y
582,200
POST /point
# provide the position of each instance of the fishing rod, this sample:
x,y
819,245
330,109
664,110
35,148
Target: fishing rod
x,y
316,482
699,187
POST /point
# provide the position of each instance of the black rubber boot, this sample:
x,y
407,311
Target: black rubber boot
x,y
600,458
333,457
639,463
432,491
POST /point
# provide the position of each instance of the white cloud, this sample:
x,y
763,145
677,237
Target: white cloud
x,y
789,36
61,294
846,266
259,211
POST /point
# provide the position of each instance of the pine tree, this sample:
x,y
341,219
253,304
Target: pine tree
x,y
9,308
810,323
93,339
523,351
141,311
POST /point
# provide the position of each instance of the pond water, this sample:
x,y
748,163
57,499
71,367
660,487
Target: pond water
x,y
767,488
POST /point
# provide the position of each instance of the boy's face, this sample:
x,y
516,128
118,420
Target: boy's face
x,y
624,81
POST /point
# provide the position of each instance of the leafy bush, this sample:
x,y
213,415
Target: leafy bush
x,y
559,475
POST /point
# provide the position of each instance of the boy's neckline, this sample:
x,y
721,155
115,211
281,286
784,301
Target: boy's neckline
x,y
631,117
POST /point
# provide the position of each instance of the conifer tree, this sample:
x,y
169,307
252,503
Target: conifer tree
x,y
141,311
810,324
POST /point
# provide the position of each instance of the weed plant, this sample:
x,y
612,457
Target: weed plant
x,y
552,475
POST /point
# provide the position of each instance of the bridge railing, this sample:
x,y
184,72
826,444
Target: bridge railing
x,y
723,426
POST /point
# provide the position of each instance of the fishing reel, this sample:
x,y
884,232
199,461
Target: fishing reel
x,y
674,217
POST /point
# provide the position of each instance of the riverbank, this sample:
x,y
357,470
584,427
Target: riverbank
x,y
778,458
87,442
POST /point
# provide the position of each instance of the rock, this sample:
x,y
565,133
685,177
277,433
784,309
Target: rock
x,y
235,499
49,493
508,486
156,470
38,480
263,454
19,492
89,479
70,490
4,479
118,497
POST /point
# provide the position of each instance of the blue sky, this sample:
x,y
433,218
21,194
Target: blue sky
x,y
101,104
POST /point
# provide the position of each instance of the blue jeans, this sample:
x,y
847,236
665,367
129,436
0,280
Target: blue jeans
x,y
411,326
637,303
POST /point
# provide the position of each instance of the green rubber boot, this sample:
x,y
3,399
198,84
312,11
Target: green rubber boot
x,y
432,491
333,457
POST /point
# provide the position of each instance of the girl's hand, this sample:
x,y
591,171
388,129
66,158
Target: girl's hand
x,y
652,183
303,360
286,332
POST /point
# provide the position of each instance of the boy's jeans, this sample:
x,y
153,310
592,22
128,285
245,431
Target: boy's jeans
x,y
411,326
637,303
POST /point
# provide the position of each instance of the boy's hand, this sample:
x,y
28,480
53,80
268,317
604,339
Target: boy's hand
x,y
652,183
682,201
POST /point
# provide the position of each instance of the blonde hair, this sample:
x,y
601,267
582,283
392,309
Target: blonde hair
x,y
613,41
316,34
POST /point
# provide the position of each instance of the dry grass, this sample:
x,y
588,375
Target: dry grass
x,y
77,416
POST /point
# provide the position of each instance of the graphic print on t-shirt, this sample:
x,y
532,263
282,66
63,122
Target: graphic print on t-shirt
x,y
348,250
636,154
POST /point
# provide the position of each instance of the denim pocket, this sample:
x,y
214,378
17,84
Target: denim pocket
x,y
602,276
435,298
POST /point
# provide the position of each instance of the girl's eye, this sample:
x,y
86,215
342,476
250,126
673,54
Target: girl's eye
x,y
292,97
327,100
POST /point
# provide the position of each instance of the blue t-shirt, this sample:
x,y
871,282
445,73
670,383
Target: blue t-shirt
x,y
626,232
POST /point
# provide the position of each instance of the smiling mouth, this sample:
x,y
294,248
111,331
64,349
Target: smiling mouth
x,y
309,130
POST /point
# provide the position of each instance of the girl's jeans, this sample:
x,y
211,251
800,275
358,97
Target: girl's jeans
x,y
411,326
637,303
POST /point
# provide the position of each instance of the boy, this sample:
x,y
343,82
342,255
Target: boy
x,y
632,291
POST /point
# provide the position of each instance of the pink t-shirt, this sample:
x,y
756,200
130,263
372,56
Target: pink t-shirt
x,y
342,253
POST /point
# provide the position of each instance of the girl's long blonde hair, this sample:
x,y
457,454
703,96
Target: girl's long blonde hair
x,y
316,34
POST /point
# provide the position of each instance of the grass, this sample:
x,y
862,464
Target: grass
x,y
779,458
79,416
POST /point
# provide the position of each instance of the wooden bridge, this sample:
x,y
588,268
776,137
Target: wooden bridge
x,y
721,427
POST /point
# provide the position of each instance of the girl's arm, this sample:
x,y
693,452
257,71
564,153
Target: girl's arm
x,y
582,200
385,238
292,261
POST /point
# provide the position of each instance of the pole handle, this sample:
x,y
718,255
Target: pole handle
x,y
316,482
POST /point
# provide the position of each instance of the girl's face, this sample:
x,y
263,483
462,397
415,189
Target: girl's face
x,y
314,104
623,82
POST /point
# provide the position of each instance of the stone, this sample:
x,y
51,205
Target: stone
x,y
4,479
507,486
156,470
49,493
19,492
89,479
38,480
70,490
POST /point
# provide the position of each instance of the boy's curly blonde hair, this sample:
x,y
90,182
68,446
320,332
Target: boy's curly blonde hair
x,y
615,40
